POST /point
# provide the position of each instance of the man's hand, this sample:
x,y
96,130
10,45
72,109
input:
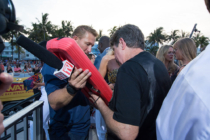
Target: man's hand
x,y
121,130
96,100
5,82
1,119
78,78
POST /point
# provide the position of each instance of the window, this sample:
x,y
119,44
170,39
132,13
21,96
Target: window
x,y
6,52
27,55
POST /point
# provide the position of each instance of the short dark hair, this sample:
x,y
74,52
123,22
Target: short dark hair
x,y
131,34
81,30
103,43
208,4
90,55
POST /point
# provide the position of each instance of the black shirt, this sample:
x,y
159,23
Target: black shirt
x,y
9,70
131,97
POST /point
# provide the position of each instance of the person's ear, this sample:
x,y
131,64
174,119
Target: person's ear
x,y
122,43
75,37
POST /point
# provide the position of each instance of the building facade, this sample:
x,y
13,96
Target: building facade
x,y
7,53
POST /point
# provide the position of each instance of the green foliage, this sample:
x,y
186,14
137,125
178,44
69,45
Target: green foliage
x,y
204,41
184,34
201,40
11,37
157,37
99,35
152,49
42,30
113,30
45,30
173,37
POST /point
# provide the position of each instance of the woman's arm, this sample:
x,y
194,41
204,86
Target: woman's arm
x,y
103,65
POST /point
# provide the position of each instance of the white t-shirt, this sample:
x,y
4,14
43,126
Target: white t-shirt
x,y
185,113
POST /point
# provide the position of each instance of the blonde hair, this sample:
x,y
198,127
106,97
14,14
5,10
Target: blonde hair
x,y
110,52
161,56
187,48
81,30
90,55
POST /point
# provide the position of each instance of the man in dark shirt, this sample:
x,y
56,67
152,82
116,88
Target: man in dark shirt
x,y
69,108
141,86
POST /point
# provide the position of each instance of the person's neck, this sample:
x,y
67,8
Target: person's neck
x,y
185,61
134,52
166,64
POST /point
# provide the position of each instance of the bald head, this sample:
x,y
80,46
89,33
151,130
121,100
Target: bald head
x,y
208,4
103,43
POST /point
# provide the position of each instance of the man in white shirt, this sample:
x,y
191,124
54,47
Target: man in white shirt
x,y
185,113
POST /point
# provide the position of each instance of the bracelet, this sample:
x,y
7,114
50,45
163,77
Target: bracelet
x,y
71,90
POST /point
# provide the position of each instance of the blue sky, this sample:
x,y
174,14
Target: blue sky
x,y
146,14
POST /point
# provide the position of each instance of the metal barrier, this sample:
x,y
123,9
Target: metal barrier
x,y
19,103
36,108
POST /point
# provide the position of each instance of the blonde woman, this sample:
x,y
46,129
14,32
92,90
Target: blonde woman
x,y
185,51
110,67
166,55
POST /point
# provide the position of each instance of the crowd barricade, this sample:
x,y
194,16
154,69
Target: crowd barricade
x,y
12,121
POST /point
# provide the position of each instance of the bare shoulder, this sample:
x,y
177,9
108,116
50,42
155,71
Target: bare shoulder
x,y
112,62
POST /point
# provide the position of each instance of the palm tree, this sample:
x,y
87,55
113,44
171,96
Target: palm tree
x,y
157,37
67,28
151,48
196,39
204,41
201,40
57,32
44,27
184,34
42,30
11,37
112,30
35,33
99,35
173,37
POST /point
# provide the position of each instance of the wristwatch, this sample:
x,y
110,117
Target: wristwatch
x,y
71,90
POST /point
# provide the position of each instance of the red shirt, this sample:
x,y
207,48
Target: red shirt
x,y
2,67
17,69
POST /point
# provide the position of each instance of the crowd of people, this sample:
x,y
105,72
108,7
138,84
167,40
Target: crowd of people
x,y
153,97
21,66
140,83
